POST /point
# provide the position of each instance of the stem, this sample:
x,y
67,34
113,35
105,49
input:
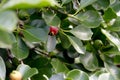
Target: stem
x,y
42,52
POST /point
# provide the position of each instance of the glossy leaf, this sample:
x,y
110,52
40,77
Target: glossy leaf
x,y
96,75
58,76
51,19
59,66
51,43
116,25
114,71
64,40
102,4
8,21
82,32
106,76
35,34
89,58
85,3
2,69
20,49
77,75
88,19
26,71
77,44
13,4
113,39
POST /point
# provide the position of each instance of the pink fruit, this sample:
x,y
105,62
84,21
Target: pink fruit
x,y
53,30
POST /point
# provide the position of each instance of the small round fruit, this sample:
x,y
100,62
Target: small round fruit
x,y
53,30
15,75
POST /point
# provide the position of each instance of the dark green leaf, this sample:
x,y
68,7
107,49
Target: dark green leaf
x,y
82,32
20,49
109,14
65,1
35,35
51,19
64,40
85,3
59,66
6,39
90,18
2,69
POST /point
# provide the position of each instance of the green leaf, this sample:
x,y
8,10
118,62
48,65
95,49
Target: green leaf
x,y
101,4
6,39
96,75
114,71
65,1
77,44
58,76
88,19
51,19
64,40
85,3
8,21
89,58
106,76
77,75
51,43
43,65
113,39
13,4
2,69
20,49
59,66
26,71
109,14
35,35
82,32
116,25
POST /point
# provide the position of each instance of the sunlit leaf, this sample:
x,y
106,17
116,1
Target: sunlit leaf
x,y
89,58
77,44
13,4
82,32
27,71
8,21
113,39
2,69
77,75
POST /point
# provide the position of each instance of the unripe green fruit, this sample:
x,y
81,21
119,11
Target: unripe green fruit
x,y
15,75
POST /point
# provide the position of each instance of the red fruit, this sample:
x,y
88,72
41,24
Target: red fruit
x,y
53,30
15,75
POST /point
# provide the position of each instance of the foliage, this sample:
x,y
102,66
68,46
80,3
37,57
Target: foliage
x,y
87,46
